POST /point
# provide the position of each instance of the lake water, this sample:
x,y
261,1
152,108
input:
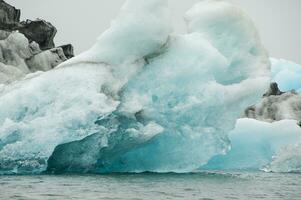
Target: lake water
x,y
203,186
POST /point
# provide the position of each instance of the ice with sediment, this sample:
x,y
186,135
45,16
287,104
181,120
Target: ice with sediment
x,y
19,56
258,144
273,143
141,99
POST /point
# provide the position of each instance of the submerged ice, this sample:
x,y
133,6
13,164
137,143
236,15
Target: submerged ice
x,y
142,98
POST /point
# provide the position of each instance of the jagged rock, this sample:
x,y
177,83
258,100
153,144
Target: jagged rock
x,y
273,90
276,105
28,46
39,31
68,50
18,57
9,15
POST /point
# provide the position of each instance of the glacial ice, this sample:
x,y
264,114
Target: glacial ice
x,y
287,74
141,99
48,109
190,89
141,28
287,160
261,145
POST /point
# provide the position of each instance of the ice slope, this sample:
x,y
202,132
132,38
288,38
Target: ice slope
x,y
141,99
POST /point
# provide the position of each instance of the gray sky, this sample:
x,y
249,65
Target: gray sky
x,y
80,22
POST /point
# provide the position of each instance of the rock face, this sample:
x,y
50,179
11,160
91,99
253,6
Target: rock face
x,y
273,90
27,46
276,105
68,50
39,31
9,15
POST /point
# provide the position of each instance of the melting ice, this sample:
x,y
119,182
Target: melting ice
x,y
142,98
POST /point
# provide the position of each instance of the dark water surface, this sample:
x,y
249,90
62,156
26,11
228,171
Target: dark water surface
x,y
203,186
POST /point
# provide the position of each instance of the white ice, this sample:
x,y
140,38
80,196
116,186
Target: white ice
x,y
181,93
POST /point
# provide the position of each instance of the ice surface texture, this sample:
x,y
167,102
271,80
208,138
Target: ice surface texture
x,y
260,145
141,99
287,74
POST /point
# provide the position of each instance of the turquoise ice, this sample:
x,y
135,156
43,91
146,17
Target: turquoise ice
x,y
142,98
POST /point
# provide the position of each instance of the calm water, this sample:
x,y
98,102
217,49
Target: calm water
x,y
203,186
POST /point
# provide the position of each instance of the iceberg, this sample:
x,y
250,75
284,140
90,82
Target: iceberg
x,y
141,99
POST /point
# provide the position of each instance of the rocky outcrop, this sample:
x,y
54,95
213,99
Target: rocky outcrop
x,y
39,31
9,16
273,90
68,50
27,46
276,105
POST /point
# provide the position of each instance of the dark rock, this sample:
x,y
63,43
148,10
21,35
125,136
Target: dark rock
x,y
9,16
39,31
68,50
274,90
27,46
